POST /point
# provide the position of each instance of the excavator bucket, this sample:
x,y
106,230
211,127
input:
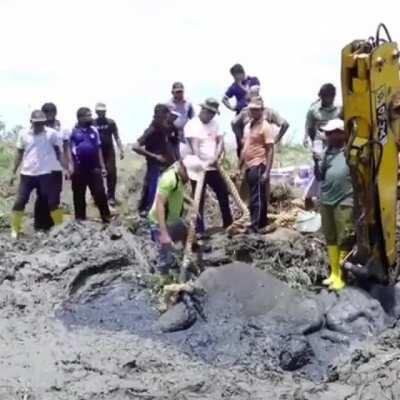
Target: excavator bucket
x,y
370,80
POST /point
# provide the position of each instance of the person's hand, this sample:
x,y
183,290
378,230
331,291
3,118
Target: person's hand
x,y
161,159
121,155
317,157
103,172
165,238
265,177
306,143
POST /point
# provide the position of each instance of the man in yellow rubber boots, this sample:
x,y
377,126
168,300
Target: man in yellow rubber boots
x,y
336,201
37,153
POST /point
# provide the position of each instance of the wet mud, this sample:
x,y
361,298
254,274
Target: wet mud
x,y
80,320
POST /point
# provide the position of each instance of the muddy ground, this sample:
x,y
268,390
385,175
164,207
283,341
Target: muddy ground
x,y
80,320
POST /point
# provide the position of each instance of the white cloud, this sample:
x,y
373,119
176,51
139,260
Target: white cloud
x,y
127,53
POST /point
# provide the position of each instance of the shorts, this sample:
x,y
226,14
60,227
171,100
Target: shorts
x,y
338,226
177,231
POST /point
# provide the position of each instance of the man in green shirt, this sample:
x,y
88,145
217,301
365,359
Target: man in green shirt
x,y
336,200
167,226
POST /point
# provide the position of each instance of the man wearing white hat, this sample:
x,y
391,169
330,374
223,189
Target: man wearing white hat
x,y
37,153
165,215
336,200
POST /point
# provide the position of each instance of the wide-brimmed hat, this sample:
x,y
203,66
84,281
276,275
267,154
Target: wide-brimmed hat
x,y
194,167
100,107
333,125
38,116
211,105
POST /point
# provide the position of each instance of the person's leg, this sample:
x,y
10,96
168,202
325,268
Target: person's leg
x,y
200,225
258,197
96,187
42,218
48,189
143,197
26,186
218,185
237,128
344,221
111,168
330,233
78,184
149,187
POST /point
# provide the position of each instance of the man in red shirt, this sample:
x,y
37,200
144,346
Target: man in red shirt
x,y
257,158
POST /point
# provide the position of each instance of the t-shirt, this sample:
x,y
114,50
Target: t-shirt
x,y
171,187
39,154
240,91
85,144
254,140
107,128
318,116
336,185
161,141
184,109
62,136
207,134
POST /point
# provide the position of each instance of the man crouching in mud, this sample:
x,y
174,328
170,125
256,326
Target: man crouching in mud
x,y
167,226
336,201
88,166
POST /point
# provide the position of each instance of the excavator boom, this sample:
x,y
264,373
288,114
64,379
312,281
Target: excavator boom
x,y
370,83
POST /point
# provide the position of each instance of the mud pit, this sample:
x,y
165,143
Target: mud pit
x,y
79,324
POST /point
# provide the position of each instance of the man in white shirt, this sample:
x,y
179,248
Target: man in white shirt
x,y
37,153
206,141
42,218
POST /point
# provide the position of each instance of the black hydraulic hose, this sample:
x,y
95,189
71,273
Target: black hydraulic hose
x,y
378,39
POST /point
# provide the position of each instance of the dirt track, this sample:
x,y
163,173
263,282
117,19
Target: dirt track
x,y
79,324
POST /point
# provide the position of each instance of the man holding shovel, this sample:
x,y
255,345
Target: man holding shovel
x,y
165,216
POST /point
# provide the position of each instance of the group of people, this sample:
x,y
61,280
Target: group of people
x,y
86,154
178,147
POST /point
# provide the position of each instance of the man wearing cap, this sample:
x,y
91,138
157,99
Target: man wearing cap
x,y
257,158
158,144
37,153
88,166
270,115
239,88
108,131
183,107
320,112
42,218
167,226
336,200
206,142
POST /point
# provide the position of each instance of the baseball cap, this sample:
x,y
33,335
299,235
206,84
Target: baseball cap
x,y
178,87
38,116
100,107
333,125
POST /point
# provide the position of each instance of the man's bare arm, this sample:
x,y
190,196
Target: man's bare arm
x,y
226,102
137,148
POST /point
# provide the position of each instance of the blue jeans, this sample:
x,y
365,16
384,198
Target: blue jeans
x,y
149,186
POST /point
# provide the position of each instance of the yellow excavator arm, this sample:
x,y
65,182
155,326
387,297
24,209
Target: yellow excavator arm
x,y
371,104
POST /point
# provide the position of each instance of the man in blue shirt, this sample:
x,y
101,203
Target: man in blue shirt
x,y
88,166
239,89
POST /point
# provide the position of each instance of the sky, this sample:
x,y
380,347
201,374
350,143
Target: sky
x,y
127,53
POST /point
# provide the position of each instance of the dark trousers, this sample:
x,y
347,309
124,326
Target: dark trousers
x,y
149,189
43,186
42,217
92,179
258,196
217,184
111,168
238,128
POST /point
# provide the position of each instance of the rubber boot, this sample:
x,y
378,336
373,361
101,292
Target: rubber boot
x,y
333,254
16,223
338,282
57,216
